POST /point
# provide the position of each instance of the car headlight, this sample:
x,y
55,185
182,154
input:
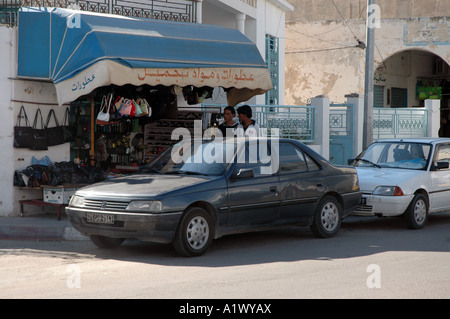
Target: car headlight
x,y
76,201
388,191
145,206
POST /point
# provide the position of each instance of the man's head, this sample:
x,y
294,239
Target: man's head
x,y
244,112
229,113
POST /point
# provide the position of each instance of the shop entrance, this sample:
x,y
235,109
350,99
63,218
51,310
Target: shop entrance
x,y
408,78
138,125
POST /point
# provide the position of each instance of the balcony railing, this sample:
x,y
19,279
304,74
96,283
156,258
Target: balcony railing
x,y
171,10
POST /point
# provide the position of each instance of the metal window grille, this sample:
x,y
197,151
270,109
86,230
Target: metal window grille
x,y
272,58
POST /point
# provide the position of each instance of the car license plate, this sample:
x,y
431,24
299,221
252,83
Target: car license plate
x,y
363,201
100,218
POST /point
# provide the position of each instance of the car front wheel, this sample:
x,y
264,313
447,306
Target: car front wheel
x,y
327,219
194,233
416,214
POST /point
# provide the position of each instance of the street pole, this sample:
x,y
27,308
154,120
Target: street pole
x,y
368,82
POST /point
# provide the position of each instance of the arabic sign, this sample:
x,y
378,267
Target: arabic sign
x,y
81,85
106,72
229,76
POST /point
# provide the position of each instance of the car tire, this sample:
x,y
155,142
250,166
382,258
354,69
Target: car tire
x,y
327,218
416,215
106,242
194,234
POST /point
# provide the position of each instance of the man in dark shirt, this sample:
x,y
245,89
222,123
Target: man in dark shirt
x,y
228,126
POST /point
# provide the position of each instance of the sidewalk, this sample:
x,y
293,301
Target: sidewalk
x,y
43,227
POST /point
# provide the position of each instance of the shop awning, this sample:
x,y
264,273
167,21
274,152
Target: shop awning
x,y
80,51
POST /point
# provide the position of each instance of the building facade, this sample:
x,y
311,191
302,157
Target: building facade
x,y
325,51
257,19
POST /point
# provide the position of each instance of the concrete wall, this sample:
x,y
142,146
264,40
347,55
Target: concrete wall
x,y
322,57
7,45
313,10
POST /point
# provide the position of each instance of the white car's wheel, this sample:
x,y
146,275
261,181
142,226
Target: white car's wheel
x,y
416,214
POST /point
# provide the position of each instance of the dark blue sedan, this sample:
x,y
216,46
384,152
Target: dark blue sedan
x,y
198,191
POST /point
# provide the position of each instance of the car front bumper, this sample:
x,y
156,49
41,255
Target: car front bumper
x,y
383,205
152,227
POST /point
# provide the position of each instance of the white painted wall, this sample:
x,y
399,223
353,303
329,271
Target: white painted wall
x,y
31,93
7,45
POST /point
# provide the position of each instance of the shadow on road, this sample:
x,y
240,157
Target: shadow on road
x,y
359,236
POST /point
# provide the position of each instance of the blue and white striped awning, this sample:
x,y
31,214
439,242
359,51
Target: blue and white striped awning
x,y
80,51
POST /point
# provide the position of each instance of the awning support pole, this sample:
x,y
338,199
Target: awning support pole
x,y
92,151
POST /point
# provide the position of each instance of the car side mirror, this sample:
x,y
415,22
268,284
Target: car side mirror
x,y
243,174
441,165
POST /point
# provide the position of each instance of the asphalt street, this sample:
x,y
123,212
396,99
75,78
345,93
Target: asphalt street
x,y
369,258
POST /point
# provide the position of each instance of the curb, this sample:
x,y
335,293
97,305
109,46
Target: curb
x,y
45,228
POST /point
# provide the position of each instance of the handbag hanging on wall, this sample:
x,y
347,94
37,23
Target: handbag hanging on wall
x,y
103,114
55,135
69,131
39,135
23,135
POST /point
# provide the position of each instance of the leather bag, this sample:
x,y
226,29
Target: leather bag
x,y
23,135
40,136
55,134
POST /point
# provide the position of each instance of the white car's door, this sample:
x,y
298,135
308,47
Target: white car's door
x,y
440,180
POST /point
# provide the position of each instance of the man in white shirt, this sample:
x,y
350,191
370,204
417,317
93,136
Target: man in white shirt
x,y
248,127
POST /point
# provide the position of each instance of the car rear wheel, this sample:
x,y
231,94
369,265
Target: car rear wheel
x,y
327,219
416,214
106,242
194,233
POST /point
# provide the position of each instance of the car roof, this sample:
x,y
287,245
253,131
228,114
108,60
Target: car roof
x,y
428,140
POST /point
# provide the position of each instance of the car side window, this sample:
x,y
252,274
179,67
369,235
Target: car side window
x,y
293,160
443,154
312,166
256,157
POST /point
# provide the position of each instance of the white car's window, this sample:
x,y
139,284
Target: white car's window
x,y
396,155
443,154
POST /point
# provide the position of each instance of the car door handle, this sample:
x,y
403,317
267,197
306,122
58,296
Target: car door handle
x,y
273,189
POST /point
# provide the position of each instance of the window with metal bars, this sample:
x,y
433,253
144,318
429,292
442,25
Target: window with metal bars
x,y
272,59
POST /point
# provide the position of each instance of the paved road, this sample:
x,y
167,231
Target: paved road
x,y
369,258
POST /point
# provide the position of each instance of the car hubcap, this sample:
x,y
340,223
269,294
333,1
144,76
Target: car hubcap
x,y
197,232
329,216
420,212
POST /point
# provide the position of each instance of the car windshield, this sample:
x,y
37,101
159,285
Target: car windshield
x,y
193,157
395,155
